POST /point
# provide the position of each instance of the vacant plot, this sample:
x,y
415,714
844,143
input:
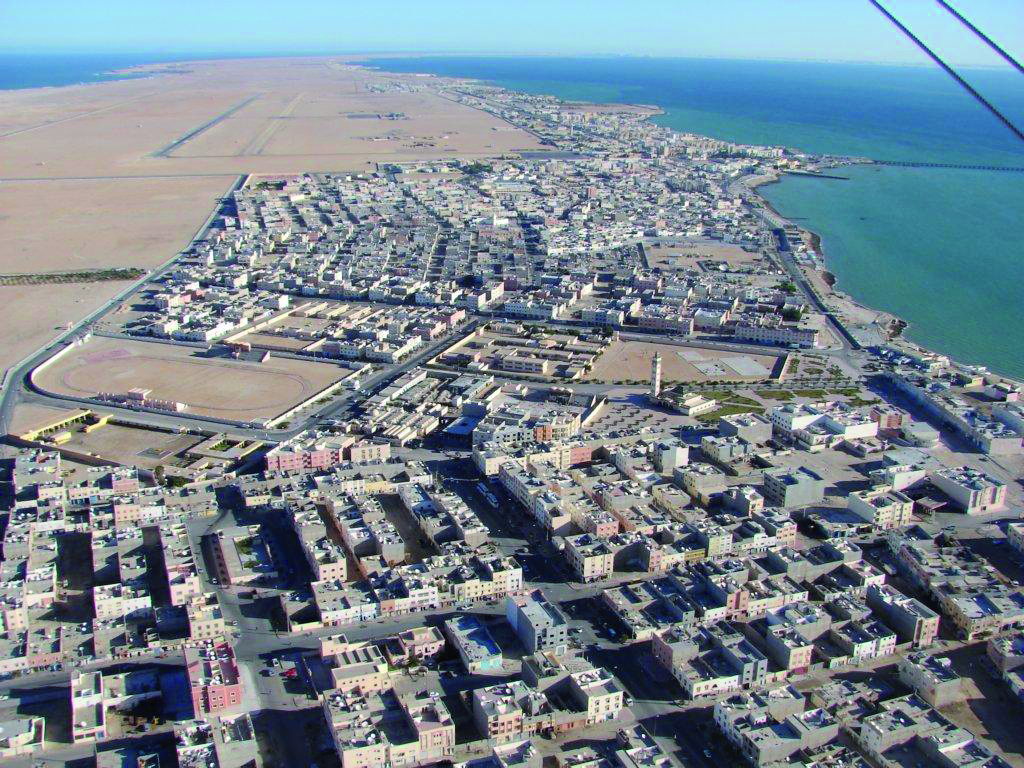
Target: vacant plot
x,y
33,315
232,116
692,254
425,124
74,224
29,415
81,225
140,447
272,342
225,389
630,362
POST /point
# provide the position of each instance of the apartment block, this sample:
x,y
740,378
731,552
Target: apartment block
x,y
539,624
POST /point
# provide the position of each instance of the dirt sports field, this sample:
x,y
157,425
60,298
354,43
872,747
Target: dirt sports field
x,y
626,361
226,389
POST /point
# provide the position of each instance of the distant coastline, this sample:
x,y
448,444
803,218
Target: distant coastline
x,y
25,71
19,72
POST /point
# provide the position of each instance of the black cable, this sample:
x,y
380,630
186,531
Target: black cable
x,y
985,38
949,70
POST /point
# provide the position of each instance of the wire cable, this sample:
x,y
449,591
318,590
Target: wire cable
x,y
985,38
949,70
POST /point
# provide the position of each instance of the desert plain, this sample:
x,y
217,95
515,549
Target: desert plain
x,y
125,173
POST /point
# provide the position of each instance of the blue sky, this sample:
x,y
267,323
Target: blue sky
x,y
843,30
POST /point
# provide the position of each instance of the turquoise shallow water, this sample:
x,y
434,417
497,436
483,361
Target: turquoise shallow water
x,y
941,248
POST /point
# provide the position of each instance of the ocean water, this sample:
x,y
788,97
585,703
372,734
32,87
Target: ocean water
x,y
30,70
942,248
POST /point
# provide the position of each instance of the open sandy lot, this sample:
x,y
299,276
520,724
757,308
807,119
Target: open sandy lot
x,y
338,129
689,254
29,415
52,226
242,116
283,343
123,173
147,448
225,389
32,315
626,361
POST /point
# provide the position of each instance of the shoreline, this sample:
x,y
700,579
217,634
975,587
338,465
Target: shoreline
x,y
889,323
108,77
826,285
890,326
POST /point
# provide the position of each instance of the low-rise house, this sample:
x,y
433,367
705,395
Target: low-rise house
x,y
971,490
1006,652
214,679
361,668
932,678
540,625
882,508
799,487
474,644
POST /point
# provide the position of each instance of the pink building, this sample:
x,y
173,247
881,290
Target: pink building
x,y
415,643
306,453
213,677
581,454
124,480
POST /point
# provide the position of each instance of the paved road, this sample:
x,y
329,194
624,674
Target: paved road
x,y
166,151
776,221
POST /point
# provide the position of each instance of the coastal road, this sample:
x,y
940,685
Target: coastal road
x,y
745,187
846,339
